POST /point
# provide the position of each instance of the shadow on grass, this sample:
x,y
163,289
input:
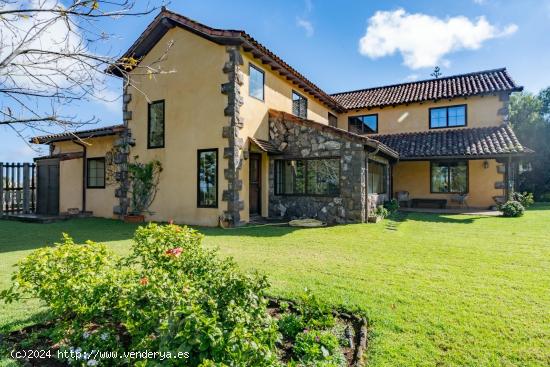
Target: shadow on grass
x,y
252,231
19,236
444,218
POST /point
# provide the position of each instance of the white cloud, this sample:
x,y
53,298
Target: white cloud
x,y
480,2
306,25
412,77
424,40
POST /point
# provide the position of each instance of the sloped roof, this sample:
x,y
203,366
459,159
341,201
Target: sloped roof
x,y
265,145
482,142
82,134
167,19
464,85
361,139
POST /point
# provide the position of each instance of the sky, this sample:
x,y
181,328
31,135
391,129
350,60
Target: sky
x,y
347,45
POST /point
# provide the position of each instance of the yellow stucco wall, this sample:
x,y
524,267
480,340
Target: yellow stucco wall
x,y
414,177
194,119
481,111
99,201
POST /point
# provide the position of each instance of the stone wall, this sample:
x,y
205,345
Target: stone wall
x,y
306,140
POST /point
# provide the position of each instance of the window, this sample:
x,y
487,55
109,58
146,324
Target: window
x,y
366,124
311,177
332,120
95,175
155,125
299,105
207,182
452,116
449,177
256,82
377,178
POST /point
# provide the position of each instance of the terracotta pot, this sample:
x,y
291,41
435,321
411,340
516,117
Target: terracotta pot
x,y
134,218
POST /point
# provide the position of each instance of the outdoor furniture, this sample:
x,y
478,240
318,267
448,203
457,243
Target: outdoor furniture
x,y
461,199
403,198
429,203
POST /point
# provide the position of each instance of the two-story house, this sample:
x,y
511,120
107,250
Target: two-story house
x,y
240,133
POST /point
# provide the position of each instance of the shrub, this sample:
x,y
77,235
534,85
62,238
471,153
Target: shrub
x,y
315,347
169,294
290,325
512,209
315,314
526,198
381,212
391,205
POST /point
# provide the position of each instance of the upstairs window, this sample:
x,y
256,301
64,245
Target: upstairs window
x,y
207,181
95,175
155,125
332,120
299,105
307,177
451,116
449,177
256,82
365,124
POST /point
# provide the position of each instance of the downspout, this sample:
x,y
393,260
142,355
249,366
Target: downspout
x,y
84,173
367,177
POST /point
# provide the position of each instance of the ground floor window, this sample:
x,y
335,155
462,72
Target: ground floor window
x,y
314,177
377,178
95,173
207,182
449,177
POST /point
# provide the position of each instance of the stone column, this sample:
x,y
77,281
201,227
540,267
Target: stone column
x,y
233,151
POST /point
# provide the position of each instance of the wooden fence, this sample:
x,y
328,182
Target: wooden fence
x,y
17,188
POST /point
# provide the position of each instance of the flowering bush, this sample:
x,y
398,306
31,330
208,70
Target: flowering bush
x,y
169,294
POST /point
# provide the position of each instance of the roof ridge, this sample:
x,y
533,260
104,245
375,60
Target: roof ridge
x,y
502,69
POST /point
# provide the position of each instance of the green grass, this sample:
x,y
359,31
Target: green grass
x,y
445,290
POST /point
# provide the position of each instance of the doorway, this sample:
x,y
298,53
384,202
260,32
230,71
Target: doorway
x,y
48,187
255,184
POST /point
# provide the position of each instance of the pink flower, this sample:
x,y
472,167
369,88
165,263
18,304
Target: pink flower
x,y
174,252
144,281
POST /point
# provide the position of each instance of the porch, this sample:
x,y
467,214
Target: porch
x,y
465,211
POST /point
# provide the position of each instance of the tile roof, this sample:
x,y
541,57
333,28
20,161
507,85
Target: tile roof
x,y
464,85
480,142
266,146
82,134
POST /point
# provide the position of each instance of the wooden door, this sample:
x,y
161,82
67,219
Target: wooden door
x,y
254,183
48,187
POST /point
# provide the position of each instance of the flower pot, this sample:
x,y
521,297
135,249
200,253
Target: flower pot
x,y
134,218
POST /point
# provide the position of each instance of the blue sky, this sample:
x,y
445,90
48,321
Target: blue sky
x,y
401,41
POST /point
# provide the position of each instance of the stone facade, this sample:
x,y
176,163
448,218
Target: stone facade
x,y
121,152
234,150
297,141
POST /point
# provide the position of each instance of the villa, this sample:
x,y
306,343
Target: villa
x,y
241,134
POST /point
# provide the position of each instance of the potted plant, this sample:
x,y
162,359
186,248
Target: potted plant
x,y
143,186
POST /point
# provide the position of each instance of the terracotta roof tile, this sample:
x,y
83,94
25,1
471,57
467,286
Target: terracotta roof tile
x,y
82,134
482,82
469,142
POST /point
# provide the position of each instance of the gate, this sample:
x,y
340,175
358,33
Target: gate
x,y
17,188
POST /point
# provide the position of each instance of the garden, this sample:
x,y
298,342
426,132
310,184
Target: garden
x,y
415,289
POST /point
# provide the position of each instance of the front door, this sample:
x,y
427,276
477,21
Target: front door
x,y
254,184
47,187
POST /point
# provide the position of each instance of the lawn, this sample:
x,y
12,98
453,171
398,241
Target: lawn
x,y
445,290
